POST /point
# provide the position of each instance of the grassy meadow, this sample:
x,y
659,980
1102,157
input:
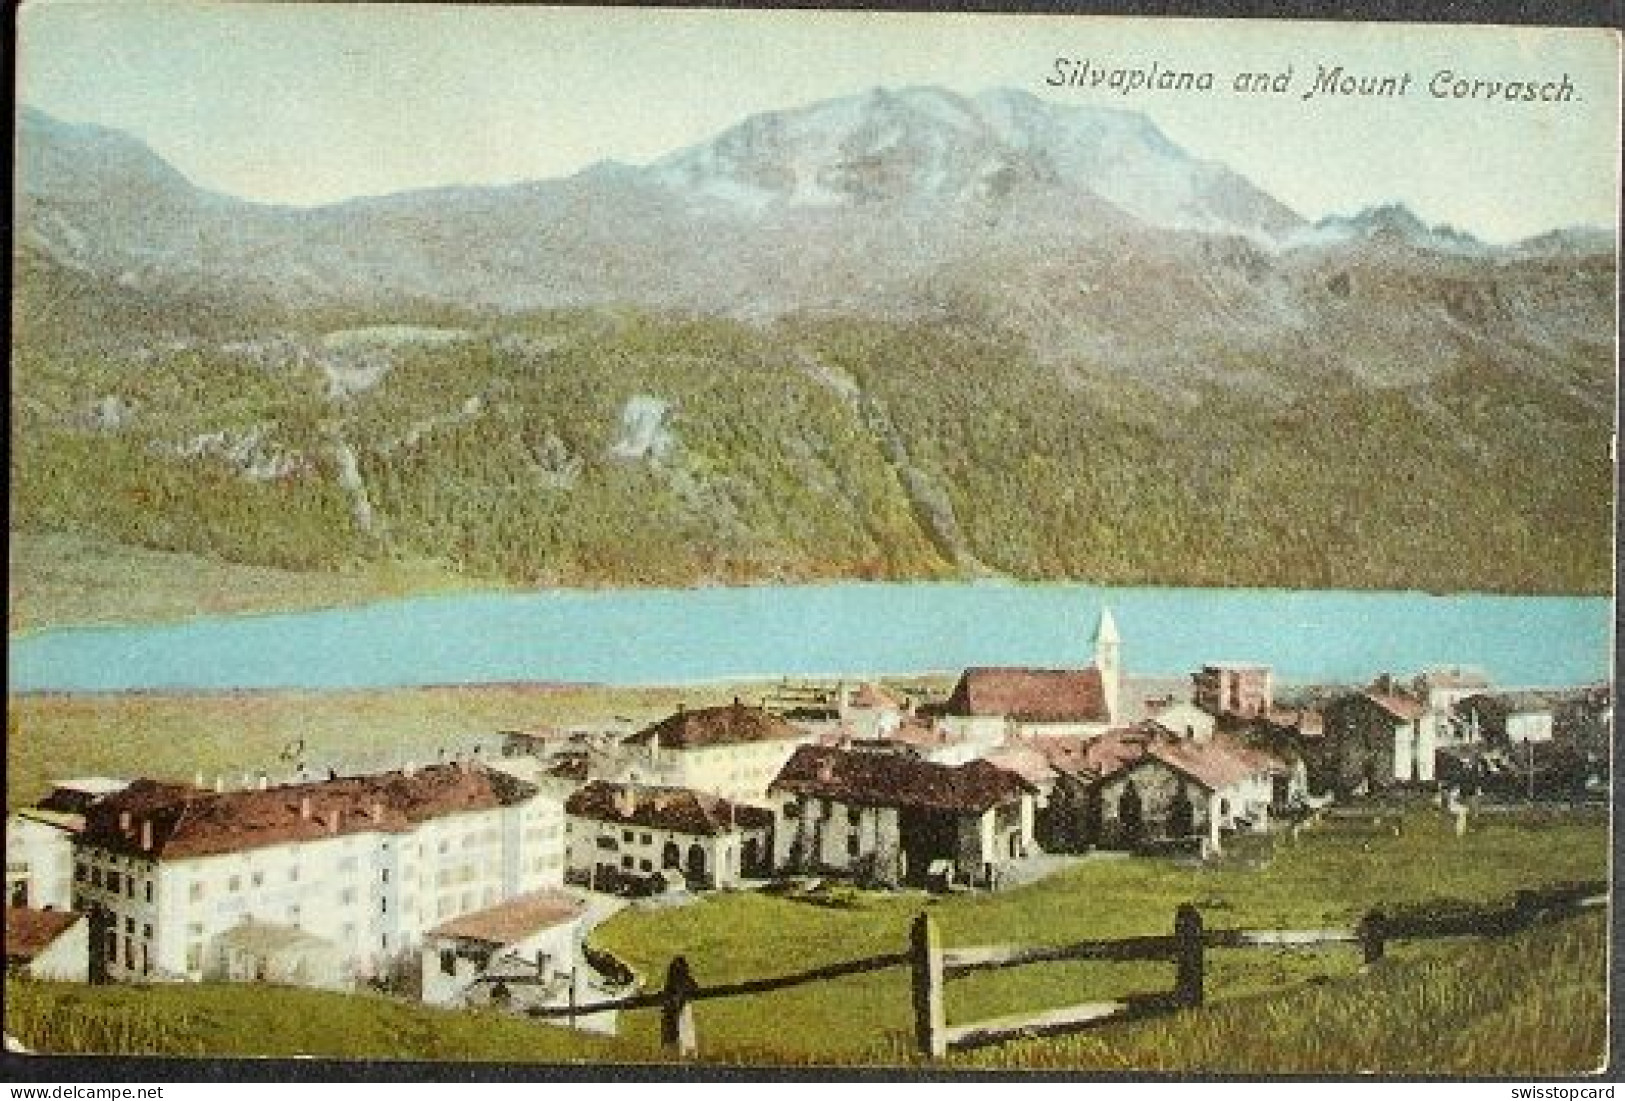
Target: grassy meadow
x,y
223,1020
1329,879
1534,1003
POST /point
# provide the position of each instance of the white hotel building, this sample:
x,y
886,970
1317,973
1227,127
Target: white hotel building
x,y
368,864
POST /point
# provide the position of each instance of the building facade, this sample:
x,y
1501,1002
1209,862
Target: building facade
x,y
630,835
733,751
1234,689
889,817
365,863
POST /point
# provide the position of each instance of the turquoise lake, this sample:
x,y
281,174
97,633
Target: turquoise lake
x,y
670,636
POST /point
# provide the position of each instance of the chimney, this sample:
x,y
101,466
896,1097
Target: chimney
x,y
247,779
626,801
410,769
304,807
219,782
264,781
654,747
146,835
333,820
681,707
376,812
826,771
197,779
124,821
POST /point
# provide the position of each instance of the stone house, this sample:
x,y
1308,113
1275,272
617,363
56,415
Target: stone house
x,y
1374,740
1143,786
627,834
887,816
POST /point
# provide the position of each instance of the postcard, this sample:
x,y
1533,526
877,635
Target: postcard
x,y
694,538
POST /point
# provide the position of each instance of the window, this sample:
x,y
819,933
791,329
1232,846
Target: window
x,y
293,874
626,835
95,877
235,883
195,929
194,957
347,896
257,879
148,887
293,915
626,861
648,839
113,882
383,876
448,962
129,926
852,845
607,843
347,864
81,872
852,815
146,932
196,891
383,906
646,866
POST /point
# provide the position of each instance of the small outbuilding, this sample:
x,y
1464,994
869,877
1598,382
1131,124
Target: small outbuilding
x,y
47,944
259,951
521,953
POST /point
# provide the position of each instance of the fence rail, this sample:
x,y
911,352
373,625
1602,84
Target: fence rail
x,y
931,966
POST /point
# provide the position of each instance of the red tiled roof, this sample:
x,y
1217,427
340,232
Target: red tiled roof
x,y
187,822
681,810
1210,765
730,724
514,920
30,932
1026,761
1031,695
897,780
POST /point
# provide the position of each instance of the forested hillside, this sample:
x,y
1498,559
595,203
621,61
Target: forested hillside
x,y
613,447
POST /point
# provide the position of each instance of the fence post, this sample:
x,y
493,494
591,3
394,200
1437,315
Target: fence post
x,y
1373,933
676,1014
1188,931
930,1017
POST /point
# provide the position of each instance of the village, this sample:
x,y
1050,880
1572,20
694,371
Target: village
x,y
475,880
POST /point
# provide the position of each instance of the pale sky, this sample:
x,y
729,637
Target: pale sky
x,y
308,103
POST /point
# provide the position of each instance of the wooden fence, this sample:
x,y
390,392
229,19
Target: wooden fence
x,y
1186,948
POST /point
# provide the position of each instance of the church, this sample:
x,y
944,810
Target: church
x,y
991,704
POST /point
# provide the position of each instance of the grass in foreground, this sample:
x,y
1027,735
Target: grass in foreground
x,y
1330,879
228,1020
1533,1004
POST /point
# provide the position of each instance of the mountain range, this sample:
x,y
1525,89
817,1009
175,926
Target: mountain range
x,y
1148,289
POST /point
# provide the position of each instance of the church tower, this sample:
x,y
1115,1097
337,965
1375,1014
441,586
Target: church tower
x,y
1109,660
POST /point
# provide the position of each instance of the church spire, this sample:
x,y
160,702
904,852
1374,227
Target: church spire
x,y
1109,660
